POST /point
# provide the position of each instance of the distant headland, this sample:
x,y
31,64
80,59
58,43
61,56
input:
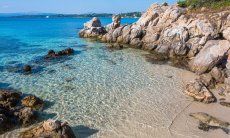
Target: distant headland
x,y
53,15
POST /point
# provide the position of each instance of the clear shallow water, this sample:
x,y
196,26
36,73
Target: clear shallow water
x,y
95,87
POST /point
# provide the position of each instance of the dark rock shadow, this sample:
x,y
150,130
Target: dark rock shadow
x,y
162,59
42,116
48,104
18,68
84,131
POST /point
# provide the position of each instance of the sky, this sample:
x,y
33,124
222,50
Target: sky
x,y
76,6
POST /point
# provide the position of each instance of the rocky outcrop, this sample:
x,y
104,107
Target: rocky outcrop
x,y
92,28
201,39
49,129
13,113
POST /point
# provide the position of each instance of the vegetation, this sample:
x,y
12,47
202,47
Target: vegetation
x,y
212,4
88,15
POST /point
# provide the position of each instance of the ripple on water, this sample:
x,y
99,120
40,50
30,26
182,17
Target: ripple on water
x,y
102,89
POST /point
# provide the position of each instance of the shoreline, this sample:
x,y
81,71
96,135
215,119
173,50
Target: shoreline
x,y
169,31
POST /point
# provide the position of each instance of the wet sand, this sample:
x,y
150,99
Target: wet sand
x,y
145,115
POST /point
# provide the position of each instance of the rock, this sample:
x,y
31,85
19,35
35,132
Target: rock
x,y
95,22
93,32
193,46
64,52
27,68
27,116
218,75
52,54
163,48
49,128
170,15
51,125
92,28
9,98
175,34
203,28
209,122
13,113
33,102
226,33
115,46
199,92
179,48
115,24
212,54
227,104
207,80
151,14
5,123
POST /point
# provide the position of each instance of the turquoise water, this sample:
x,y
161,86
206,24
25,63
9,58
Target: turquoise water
x,y
91,87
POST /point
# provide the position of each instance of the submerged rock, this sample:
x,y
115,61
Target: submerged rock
x,y
52,54
207,122
50,129
27,68
33,102
227,104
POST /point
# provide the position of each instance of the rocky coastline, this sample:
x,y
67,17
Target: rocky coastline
x,y
200,40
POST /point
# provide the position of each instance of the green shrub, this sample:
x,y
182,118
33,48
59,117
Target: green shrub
x,y
213,4
182,3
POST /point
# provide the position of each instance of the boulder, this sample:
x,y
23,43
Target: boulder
x,y
179,48
211,55
115,24
50,129
32,102
207,80
175,34
95,22
194,46
170,15
226,33
92,28
203,28
218,75
151,14
26,116
199,92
